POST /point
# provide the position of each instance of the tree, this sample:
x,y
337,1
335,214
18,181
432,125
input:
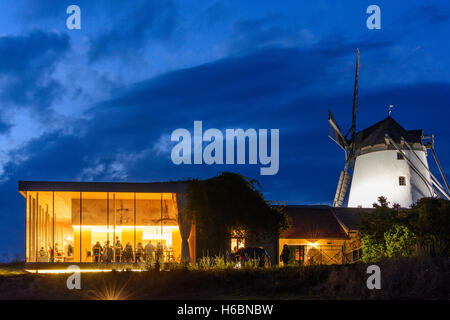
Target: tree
x,y
391,232
373,227
227,203
432,225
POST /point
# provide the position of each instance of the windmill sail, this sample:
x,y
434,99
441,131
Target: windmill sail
x,y
341,191
335,133
347,144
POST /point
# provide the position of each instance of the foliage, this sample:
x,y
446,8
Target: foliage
x,y
390,232
373,248
432,225
372,229
230,202
399,241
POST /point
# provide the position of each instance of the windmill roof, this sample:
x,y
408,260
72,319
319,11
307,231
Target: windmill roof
x,y
375,134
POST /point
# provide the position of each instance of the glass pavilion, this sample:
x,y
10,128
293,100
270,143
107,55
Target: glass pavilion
x,y
66,220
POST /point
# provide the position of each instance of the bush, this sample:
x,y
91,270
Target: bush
x,y
400,241
373,248
391,232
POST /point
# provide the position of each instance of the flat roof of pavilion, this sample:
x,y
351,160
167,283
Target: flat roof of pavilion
x,y
140,187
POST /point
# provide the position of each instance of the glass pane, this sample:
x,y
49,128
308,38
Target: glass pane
x,y
157,227
31,226
67,226
44,207
95,225
123,226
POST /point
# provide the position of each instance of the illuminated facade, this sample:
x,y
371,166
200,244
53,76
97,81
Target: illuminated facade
x,y
68,222
401,175
321,235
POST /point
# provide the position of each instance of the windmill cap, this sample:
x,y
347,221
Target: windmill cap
x,y
376,134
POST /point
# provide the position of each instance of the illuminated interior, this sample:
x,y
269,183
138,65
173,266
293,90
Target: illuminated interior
x,y
237,243
65,226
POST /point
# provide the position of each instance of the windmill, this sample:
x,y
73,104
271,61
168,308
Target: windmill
x,y
385,160
348,145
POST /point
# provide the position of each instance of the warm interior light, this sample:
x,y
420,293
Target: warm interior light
x,y
314,244
154,233
148,232
119,228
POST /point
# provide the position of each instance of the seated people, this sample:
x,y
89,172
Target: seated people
x,y
42,255
51,253
128,253
59,255
97,251
118,250
107,253
148,252
139,252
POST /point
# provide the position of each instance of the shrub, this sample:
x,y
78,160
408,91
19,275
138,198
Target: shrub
x,y
391,232
400,241
373,248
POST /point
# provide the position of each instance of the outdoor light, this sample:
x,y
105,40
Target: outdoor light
x,y
314,244
59,271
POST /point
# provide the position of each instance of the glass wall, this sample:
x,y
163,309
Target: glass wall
x,y
157,227
64,243
101,227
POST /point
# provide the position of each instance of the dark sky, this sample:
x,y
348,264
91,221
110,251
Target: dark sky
x,y
100,103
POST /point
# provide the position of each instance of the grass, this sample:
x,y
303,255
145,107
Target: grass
x,y
408,278
14,268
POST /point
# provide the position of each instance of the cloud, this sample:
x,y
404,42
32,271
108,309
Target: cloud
x,y
430,14
4,126
163,145
213,14
113,28
27,64
134,28
270,31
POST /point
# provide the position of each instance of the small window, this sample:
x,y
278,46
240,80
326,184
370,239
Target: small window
x,y
356,255
402,181
400,156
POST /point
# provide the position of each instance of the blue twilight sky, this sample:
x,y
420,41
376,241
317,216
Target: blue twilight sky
x,y
100,103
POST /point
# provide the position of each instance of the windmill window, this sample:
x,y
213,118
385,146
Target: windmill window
x,y
402,181
400,156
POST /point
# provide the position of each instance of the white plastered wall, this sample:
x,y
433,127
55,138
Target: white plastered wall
x,y
377,174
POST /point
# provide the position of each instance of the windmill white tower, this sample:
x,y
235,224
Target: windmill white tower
x,y
386,160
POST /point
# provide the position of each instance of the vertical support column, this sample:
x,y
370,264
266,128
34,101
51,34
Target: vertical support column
x,y
107,216
32,227
114,226
39,228
47,231
134,209
36,244
161,236
27,224
53,225
81,230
